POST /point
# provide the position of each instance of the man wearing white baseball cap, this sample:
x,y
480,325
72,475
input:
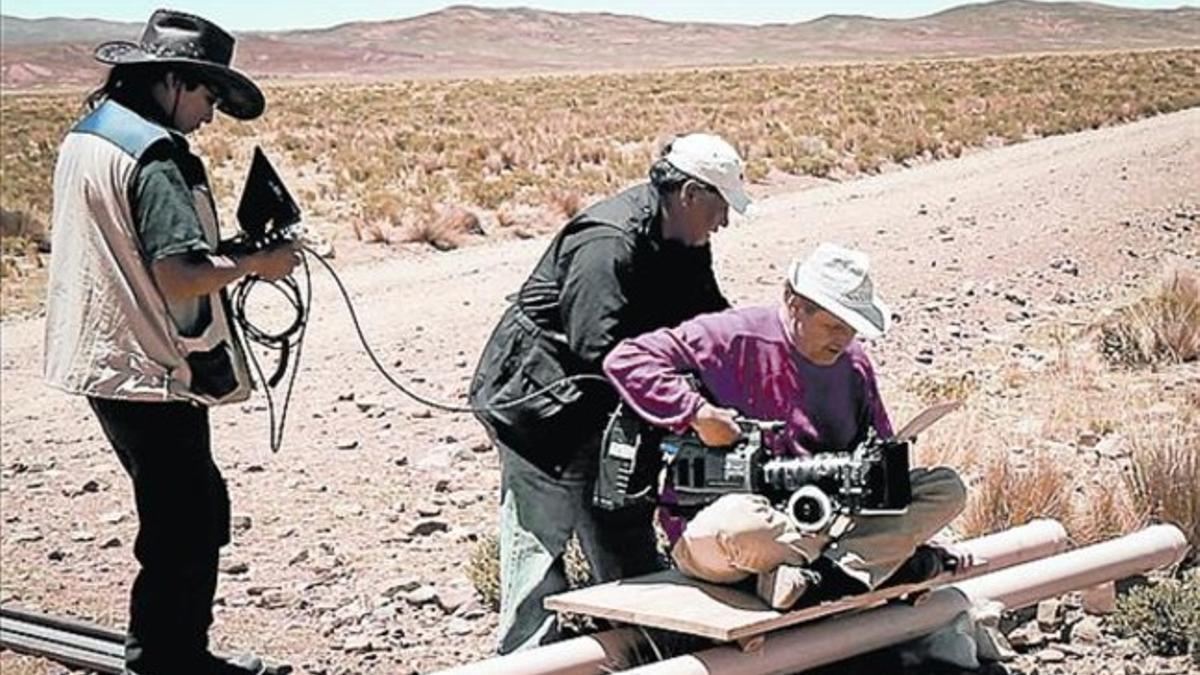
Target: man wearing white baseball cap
x,y
714,161
798,363
634,262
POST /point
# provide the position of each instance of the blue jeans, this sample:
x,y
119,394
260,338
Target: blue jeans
x,y
538,514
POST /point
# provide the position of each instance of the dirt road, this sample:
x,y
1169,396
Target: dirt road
x,y
350,545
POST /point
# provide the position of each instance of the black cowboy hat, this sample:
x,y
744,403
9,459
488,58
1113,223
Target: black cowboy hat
x,y
200,47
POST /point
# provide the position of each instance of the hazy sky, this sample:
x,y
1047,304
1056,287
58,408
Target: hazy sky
x,y
280,14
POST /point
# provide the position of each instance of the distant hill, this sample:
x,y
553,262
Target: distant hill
x,y
468,41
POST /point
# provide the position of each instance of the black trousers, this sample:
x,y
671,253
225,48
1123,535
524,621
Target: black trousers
x,y
183,520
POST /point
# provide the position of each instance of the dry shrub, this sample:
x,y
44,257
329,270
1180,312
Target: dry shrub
x,y
483,568
526,221
383,205
566,202
935,388
10,269
17,225
1164,476
1007,495
446,230
959,440
433,231
1106,510
1160,328
460,220
376,232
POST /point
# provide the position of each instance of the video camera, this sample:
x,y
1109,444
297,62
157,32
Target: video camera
x,y
637,460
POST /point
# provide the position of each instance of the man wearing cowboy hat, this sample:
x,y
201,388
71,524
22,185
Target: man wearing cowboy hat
x,y
631,263
798,363
136,316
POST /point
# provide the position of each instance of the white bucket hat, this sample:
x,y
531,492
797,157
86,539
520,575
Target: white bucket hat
x,y
712,160
838,279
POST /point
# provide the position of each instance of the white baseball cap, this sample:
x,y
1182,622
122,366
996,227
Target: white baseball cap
x,y
838,279
710,159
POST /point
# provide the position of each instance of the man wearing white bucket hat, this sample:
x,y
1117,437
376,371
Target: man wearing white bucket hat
x,y
798,363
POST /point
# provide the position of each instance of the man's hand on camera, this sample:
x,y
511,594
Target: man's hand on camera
x,y
716,427
277,262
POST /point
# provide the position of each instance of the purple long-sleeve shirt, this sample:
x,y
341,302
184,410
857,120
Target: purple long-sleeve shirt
x,y
746,361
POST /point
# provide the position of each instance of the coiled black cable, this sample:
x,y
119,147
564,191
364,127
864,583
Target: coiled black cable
x,y
290,341
287,342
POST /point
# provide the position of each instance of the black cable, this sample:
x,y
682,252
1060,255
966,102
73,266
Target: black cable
x,y
429,402
290,341
286,341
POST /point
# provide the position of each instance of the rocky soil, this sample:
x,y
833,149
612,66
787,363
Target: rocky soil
x,y
350,545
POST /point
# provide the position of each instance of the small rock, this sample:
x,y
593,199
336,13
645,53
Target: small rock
x,y
89,487
459,626
1026,636
1112,447
403,586
358,644
427,527
423,595
429,510
240,523
451,599
112,517
347,444
27,536
1050,656
82,535
1049,615
274,598
1086,631
111,542
235,568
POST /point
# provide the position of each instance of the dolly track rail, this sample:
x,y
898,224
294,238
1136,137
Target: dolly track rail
x,y
72,643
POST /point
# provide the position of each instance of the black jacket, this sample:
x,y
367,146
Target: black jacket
x,y
607,275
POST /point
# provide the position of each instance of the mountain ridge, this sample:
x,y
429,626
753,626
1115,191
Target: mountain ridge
x,y
465,40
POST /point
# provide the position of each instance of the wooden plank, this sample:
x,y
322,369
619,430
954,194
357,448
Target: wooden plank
x,y
672,601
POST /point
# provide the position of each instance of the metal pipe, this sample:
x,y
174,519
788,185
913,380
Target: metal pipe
x,y
809,646
1152,548
603,652
615,649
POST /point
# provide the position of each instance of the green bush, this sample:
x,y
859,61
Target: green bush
x,y
1165,616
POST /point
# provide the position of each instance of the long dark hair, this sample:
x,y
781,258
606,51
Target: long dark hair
x,y
130,84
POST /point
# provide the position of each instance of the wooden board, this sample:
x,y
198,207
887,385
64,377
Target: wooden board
x,y
672,601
